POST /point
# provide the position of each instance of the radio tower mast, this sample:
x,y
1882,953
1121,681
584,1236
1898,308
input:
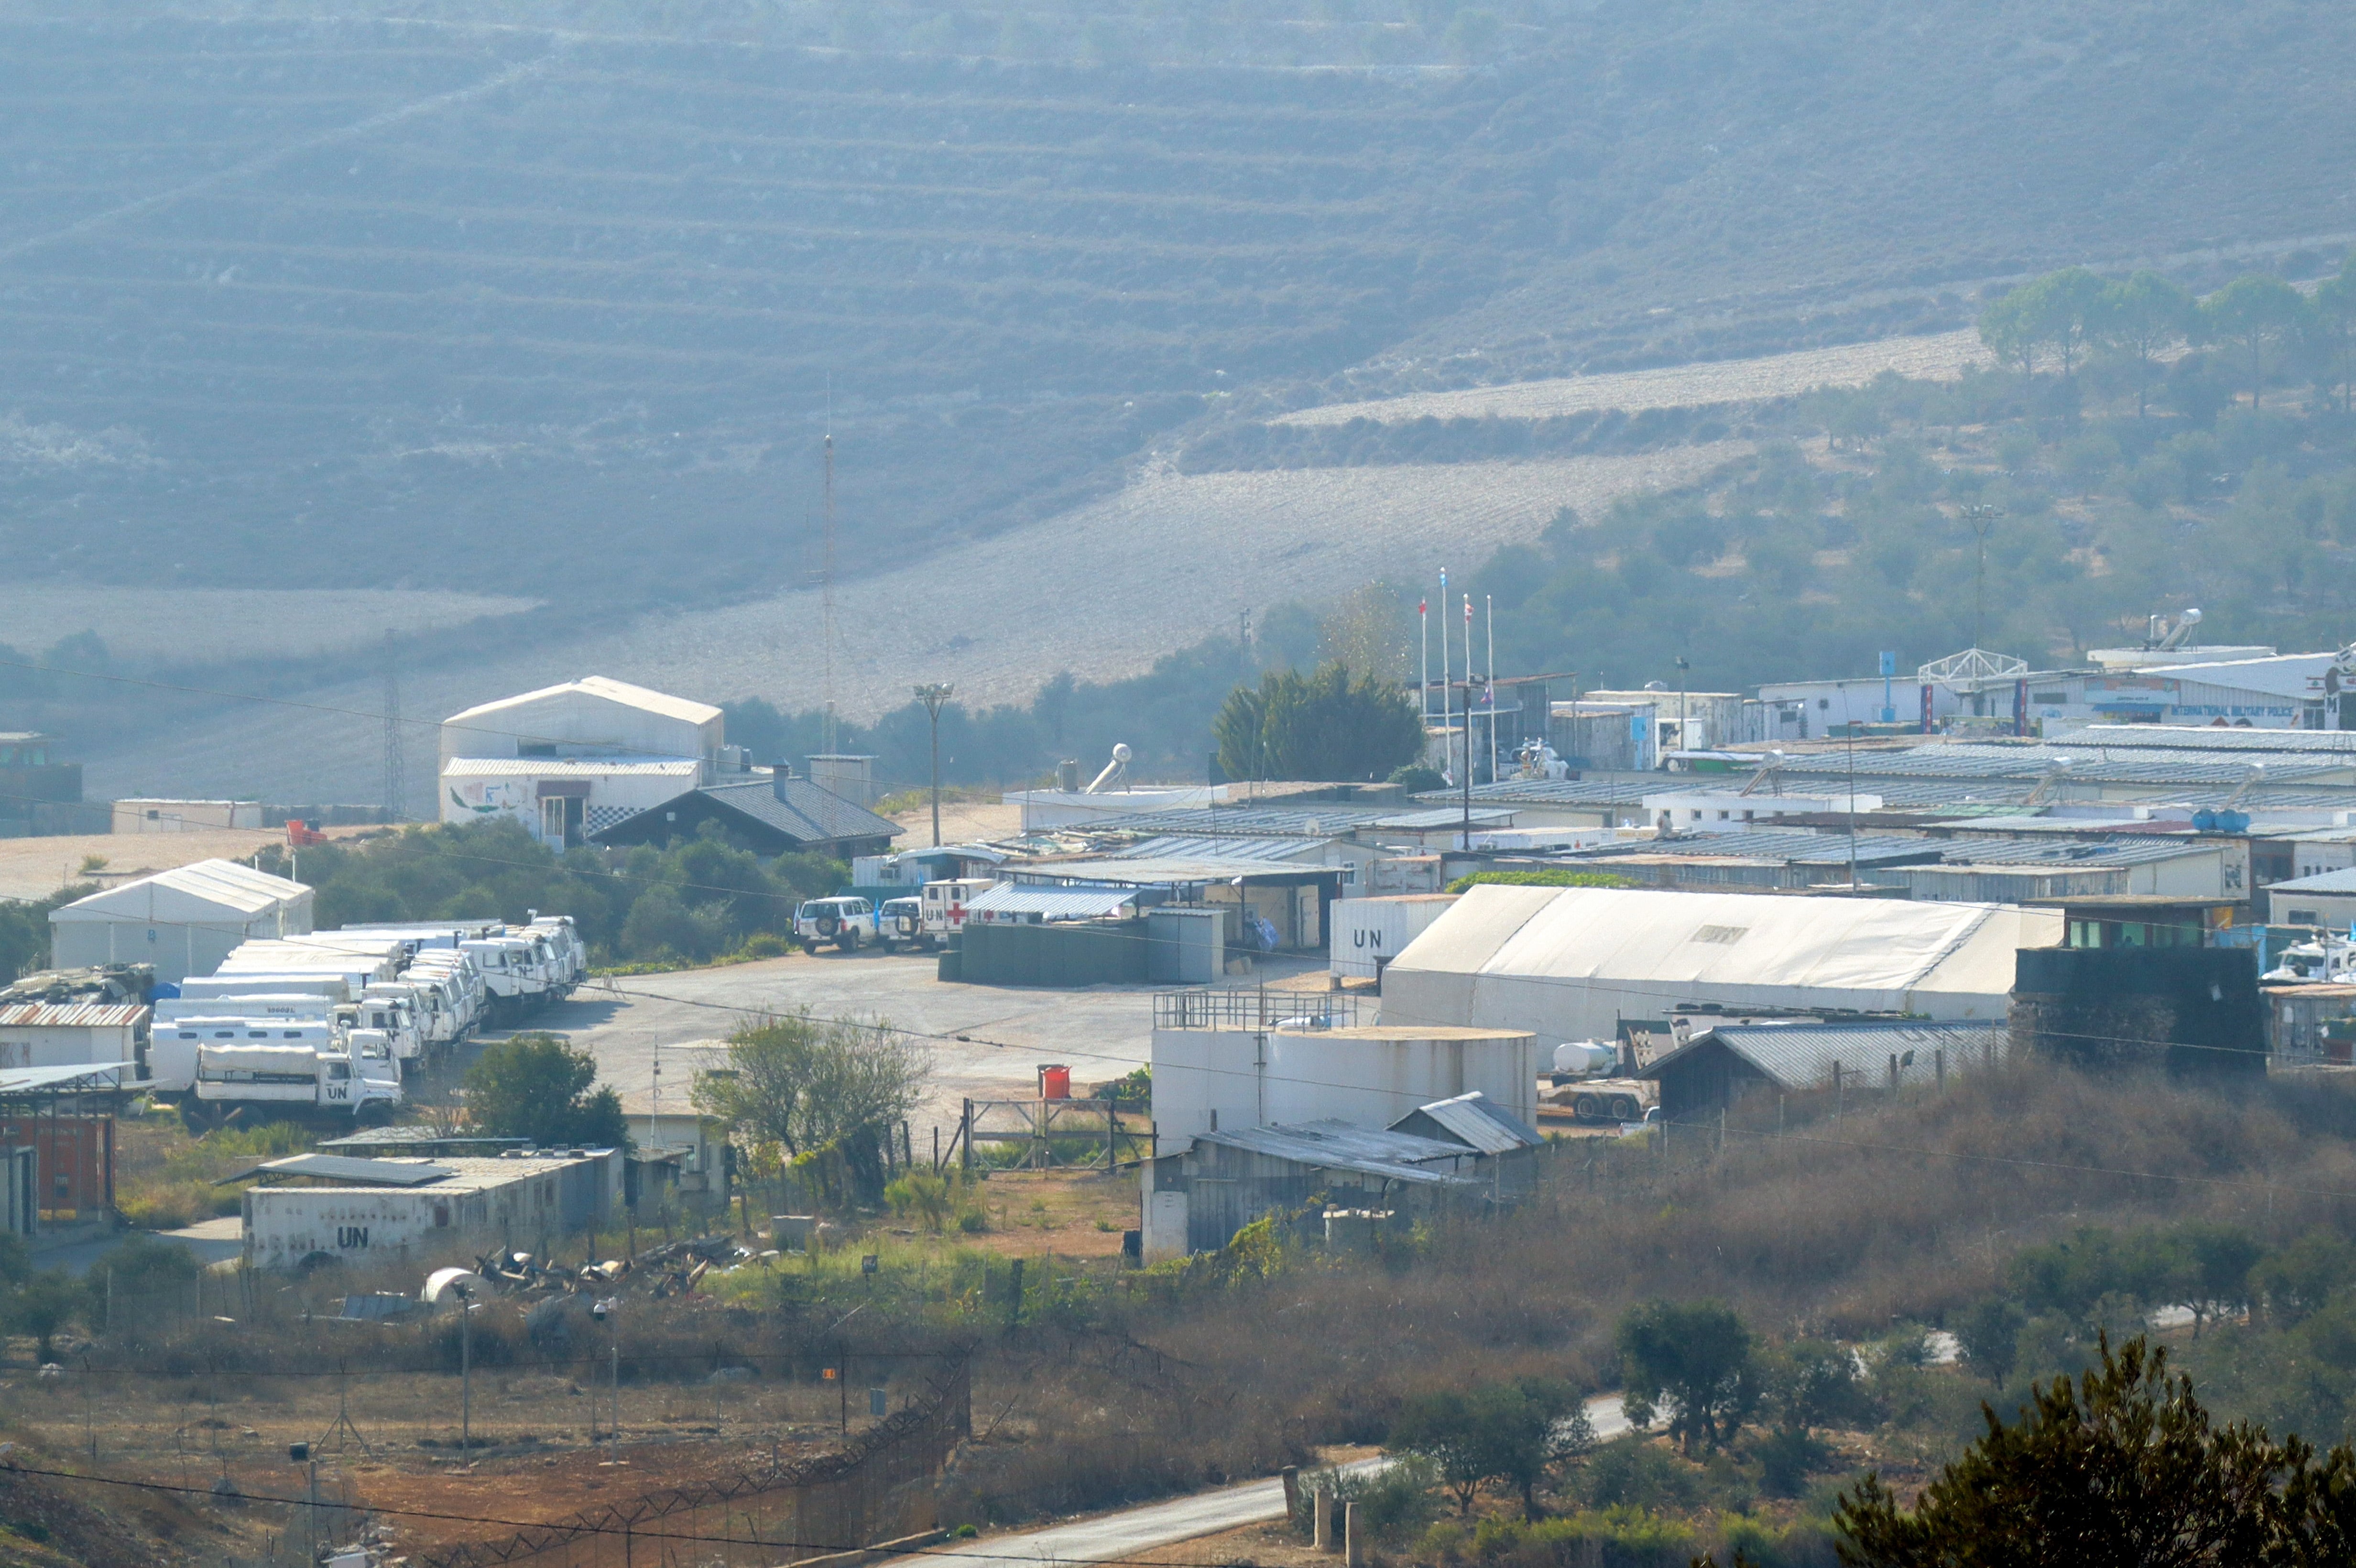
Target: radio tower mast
x,y
396,783
826,598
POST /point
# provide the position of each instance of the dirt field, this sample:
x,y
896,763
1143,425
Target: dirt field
x,y
35,868
963,822
1939,358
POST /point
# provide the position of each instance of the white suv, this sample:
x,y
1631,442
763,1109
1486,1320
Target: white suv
x,y
848,922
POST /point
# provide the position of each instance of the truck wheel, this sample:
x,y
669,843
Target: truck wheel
x,y
886,944
1588,1108
198,1116
850,939
1623,1108
809,948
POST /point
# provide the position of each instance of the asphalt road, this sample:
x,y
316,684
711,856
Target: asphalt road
x,y
1099,1032
1110,1538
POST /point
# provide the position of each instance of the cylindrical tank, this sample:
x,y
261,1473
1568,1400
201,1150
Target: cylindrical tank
x,y
1055,1082
1580,1057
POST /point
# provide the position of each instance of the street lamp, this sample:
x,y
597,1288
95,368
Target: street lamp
x,y
933,695
1981,518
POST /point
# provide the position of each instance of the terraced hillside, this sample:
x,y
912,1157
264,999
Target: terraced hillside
x,y
533,300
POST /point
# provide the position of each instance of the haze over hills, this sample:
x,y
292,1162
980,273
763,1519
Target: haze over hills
x,y
553,301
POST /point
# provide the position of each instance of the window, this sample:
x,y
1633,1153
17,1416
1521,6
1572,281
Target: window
x,y
2050,697
1824,705
224,1034
2303,917
257,1034
187,1034
292,1034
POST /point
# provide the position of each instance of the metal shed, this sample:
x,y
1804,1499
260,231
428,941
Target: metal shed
x,y
1714,1068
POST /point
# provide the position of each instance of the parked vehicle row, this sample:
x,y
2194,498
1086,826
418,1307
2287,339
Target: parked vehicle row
x,y
327,1024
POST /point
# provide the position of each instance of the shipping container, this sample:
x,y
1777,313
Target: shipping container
x,y
1370,932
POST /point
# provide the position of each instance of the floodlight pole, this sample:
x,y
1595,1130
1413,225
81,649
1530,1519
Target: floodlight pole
x,y
932,695
1982,518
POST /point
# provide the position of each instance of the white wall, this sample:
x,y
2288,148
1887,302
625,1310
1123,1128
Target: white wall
x,y
1365,930
1368,1077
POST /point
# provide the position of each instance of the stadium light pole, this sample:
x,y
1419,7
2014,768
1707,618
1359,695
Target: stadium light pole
x,y
932,695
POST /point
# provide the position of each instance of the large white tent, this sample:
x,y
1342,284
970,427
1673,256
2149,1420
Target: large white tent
x,y
184,920
1570,963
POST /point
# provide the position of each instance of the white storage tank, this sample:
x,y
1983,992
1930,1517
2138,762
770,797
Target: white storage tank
x,y
1369,932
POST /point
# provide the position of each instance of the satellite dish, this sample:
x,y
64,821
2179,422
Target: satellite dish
x,y
454,1284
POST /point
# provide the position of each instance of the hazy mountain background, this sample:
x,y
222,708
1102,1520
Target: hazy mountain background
x,y
554,301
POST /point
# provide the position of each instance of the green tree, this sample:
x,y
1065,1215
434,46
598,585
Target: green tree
x,y
1507,1434
2211,1276
2139,319
541,1087
49,1301
2298,1281
2255,315
2122,1468
802,1084
2055,312
2331,333
1988,1334
1326,725
1695,1358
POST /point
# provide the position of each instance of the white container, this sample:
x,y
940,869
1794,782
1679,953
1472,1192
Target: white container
x,y
1369,932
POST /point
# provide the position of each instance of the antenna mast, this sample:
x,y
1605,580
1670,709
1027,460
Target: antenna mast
x,y
826,594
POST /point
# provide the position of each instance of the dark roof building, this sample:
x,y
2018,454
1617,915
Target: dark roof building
x,y
779,816
1717,1067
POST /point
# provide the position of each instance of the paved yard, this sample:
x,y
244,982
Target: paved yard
x,y
1100,1032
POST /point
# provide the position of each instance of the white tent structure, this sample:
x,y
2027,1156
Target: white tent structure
x,y
1568,963
184,920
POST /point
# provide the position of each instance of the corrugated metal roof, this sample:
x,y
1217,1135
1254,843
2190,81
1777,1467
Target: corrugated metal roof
x,y
71,1015
348,1167
2205,738
571,767
102,1074
1337,1146
1172,848
1250,821
1050,904
1802,1055
1782,847
223,882
2111,850
1441,817
2322,883
1153,873
1478,1120
1553,792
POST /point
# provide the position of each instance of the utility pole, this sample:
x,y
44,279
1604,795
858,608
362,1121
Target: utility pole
x,y
1683,743
396,785
826,580
1488,602
933,695
466,1375
1852,806
1981,518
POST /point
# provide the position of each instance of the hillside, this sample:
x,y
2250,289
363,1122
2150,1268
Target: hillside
x,y
550,302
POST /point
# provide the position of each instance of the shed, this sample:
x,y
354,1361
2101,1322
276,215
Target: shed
x,y
182,921
1196,1200
2326,898
387,1209
780,815
71,1034
676,1150
1716,1067
1570,963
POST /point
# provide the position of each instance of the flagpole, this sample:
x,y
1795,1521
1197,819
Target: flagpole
x,y
1443,664
1423,692
1489,604
1468,723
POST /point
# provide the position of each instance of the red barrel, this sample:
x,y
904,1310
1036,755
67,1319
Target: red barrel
x,y
1055,1082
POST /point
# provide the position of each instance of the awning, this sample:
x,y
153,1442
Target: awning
x,y
1007,900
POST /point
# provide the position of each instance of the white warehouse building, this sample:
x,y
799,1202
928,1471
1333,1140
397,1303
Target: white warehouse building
x,y
1568,963
184,920
569,760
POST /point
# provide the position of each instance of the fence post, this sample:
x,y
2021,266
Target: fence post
x,y
1321,1519
1354,1545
